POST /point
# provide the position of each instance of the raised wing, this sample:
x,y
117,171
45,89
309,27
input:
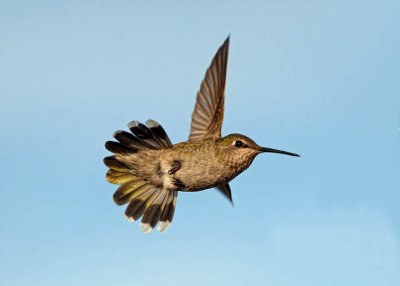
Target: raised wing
x,y
208,112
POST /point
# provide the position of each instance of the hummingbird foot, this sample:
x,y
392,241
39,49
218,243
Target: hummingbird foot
x,y
176,165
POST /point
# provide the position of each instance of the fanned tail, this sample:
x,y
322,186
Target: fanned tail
x,y
154,204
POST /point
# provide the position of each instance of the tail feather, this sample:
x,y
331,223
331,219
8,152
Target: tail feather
x,y
119,178
168,212
145,135
159,132
153,211
126,192
115,165
129,140
154,204
172,211
137,206
118,148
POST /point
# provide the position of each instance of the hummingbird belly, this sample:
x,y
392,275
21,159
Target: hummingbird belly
x,y
187,167
201,172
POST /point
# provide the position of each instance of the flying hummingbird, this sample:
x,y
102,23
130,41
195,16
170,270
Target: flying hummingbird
x,y
151,170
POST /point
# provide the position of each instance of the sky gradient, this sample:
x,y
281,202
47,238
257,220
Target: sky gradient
x,y
318,78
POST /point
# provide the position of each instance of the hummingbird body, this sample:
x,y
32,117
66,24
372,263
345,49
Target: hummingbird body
x,y
200,165
151,170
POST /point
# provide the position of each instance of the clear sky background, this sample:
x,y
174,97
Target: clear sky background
x,y
319,78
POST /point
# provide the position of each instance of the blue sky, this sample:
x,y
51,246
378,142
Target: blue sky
x,y
319,78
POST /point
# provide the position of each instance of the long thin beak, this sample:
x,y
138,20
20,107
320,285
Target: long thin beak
x,y
270,150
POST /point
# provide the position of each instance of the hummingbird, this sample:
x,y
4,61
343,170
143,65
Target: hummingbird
x,y
151,170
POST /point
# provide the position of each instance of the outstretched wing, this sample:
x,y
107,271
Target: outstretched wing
x,y
208,112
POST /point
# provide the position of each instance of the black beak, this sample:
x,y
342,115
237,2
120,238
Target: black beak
x,y
270,150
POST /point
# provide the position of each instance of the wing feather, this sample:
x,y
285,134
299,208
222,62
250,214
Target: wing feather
x,y
208,113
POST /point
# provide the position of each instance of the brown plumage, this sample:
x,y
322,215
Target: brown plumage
x,y
151,170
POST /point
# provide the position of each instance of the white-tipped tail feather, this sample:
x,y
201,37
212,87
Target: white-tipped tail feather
x,y
163,226
128,218
145,227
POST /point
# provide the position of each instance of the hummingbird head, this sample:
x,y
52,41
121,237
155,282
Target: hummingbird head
x,y
243,150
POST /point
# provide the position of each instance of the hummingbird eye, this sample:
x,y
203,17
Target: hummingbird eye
x,y
238,143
